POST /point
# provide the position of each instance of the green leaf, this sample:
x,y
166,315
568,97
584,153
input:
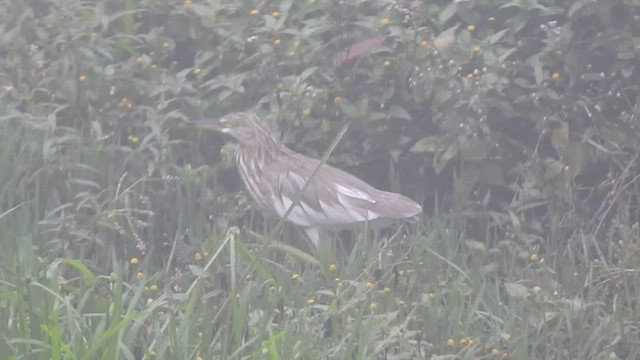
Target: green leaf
x,y
448,12
88,275
516,290
349,110
514,220
308,72
270,346
627,71
560,138
497,36
426,144
472,150
445,40
113,331
476,245
377,116
554,168
397,112
577,158
440,162
536,64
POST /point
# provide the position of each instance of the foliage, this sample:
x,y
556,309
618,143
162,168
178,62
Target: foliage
x,y
517,119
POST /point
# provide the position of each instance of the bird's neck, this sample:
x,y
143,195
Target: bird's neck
x,y
262,151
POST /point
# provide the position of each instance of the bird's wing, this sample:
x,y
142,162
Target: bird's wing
x,y
334,197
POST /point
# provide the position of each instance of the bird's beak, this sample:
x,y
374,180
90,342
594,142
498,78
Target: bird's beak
x,y
208,124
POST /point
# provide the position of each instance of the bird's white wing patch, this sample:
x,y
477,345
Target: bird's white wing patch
x,y
302,214
339,214
297,215
355,193
298,180
371,215
329,212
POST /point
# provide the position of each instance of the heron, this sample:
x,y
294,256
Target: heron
x,y
273,174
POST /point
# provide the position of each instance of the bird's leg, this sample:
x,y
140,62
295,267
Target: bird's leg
x,y
313,233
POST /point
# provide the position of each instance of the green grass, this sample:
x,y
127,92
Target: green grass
x,y
70,289
121,239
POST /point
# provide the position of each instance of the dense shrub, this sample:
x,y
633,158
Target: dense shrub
x,y
520,116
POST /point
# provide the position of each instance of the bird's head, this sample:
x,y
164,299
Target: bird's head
x,y
245,127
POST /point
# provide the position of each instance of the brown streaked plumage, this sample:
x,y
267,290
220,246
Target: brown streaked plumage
x,y
274,174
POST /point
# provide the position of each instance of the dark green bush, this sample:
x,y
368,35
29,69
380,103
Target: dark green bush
x,y
530,106
521,116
